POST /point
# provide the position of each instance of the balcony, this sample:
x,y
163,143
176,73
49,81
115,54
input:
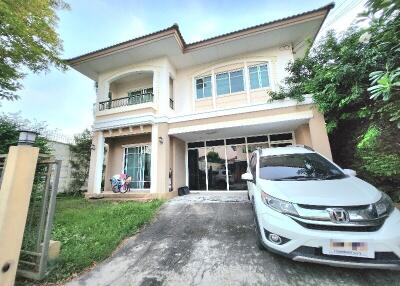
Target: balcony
x,y
131,99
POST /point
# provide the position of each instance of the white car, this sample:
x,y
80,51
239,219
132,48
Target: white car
x,y
309,209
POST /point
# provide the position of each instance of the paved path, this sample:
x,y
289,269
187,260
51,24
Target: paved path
x,y
209,240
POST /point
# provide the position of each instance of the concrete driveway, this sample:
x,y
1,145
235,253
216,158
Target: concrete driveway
x,y
209,240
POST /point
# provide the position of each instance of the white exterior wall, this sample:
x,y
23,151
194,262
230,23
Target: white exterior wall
x,y
277,57
184,91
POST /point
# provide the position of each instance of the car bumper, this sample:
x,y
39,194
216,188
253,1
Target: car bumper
x,y
305,245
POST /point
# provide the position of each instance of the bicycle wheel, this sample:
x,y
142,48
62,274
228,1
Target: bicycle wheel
x,y
115,189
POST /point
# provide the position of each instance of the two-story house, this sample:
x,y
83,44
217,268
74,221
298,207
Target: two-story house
x,y
171,113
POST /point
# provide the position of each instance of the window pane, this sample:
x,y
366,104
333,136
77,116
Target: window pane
x,y
264,76
195,144
237,81
199,88
215,143
237,165
235,141
196,168
254,78
207,86
216,168
282,136
222,83
255,139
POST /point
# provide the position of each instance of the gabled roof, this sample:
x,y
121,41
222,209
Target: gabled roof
x,y
173,31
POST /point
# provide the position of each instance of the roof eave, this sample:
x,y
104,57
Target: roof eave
x,y
174,31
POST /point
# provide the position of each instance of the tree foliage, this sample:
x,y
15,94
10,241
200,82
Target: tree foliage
x,y
9,126
28,40
354,81
80,159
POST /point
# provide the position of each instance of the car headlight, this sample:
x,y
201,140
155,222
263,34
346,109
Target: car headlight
x,y
384,206
278,205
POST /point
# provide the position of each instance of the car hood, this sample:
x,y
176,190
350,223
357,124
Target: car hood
x,y
349,191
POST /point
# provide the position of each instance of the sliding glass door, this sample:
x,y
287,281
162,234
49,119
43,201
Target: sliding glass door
x,y
137,164
217,165
197,169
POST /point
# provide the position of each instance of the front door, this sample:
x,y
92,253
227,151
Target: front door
x,y
137,165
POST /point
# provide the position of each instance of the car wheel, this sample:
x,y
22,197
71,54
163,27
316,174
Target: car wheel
x,y
259,242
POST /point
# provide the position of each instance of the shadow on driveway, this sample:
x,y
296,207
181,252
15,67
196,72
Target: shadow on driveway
x,y
209,240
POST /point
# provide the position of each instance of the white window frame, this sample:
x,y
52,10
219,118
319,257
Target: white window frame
x,y
258,65
195,87
124,147
230,86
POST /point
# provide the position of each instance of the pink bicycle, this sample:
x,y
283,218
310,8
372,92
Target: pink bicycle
x,y
120,183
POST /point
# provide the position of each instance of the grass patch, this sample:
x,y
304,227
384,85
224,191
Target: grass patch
x,y
90,231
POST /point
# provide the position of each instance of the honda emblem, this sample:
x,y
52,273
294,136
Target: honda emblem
x,y
338,215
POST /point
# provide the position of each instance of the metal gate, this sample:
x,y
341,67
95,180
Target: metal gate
x,y
33,260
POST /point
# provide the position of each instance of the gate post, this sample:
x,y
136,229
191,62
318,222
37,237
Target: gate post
x,y
15,193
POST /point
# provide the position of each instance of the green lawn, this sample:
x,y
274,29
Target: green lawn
x,y
90,230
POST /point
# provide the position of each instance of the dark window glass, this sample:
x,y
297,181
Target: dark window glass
x,y
306,166
215,143
256,139
195,144
196,168
281,145
279,137
235,141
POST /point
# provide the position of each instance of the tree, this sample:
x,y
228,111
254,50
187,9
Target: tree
x,y
9,126
361,119
80,160
28,40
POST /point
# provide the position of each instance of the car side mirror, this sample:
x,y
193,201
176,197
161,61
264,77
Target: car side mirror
x,y
350,172
247,177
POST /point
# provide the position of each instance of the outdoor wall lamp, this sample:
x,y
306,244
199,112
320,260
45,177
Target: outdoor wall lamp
x,y
93,147
27,137
161,140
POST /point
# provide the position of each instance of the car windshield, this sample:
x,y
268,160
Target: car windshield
x,y
302,166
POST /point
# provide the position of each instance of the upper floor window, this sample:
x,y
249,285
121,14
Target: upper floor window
x,y
259,76
230,82
203,87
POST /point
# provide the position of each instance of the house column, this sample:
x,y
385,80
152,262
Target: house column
x,y
163,91
159,158
319,135
96,163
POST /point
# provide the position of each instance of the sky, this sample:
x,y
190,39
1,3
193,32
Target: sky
x,y
64,100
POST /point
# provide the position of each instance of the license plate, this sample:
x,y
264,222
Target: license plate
x,y
348,248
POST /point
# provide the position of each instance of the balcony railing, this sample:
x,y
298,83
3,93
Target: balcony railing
x,y
125,101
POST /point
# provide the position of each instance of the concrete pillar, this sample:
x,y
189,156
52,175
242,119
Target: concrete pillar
x,y
15,195
318,134
96,163
302,135
163,91
178,163
159,158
